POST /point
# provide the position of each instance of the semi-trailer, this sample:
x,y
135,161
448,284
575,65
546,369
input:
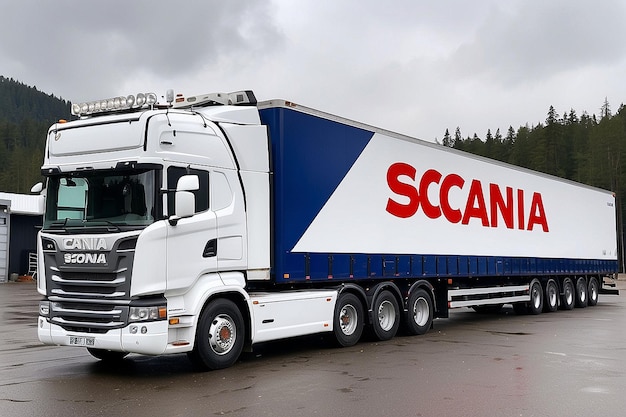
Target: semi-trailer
x,y
207,224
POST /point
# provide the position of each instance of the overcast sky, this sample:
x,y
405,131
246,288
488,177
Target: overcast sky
x,y
411,66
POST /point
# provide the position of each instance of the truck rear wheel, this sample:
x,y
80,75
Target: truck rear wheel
x,y
593,291
386,318
581,292
219,336
419,315
348,320
551,299
568,297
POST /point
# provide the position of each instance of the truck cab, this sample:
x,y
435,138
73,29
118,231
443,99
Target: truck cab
x,y
146,218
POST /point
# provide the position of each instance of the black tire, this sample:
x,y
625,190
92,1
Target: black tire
x,y
581,292
386,316
419,315
110,356
593,291
219,336
535,305
348,320
551,297
568,298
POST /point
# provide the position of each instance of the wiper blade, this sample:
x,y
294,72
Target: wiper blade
x,y
60,224
112,227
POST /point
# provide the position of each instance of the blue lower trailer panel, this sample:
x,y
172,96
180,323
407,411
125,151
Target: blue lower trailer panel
x,y
344,267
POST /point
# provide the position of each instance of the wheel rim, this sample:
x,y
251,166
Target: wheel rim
x,y
348,319
222,334
386,315
421,311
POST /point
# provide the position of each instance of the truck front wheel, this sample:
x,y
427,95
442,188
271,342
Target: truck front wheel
x,y
219,337
348,320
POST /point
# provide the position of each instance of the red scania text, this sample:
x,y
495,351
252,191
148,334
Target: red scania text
x,y
487,204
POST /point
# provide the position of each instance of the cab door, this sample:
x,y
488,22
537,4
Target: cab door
x,y
191,241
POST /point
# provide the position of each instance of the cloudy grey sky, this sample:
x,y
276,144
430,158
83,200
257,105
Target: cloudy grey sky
x,y
410,66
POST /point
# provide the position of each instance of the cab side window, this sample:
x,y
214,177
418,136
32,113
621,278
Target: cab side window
x,y
202,194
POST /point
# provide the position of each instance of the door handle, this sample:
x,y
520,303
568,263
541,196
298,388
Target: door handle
x,y
210,249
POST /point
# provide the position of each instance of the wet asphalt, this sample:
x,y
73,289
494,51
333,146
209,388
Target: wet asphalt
x,y
567,363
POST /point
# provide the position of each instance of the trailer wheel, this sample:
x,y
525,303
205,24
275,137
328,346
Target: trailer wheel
x,y
551,299
593,291
535,306
419,317
568,297
581,292
348,321
386,317
219,337
109,356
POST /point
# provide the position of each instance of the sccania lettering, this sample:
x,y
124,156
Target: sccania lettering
x,y
487,204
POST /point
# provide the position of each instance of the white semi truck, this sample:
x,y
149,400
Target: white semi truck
x,y
207,224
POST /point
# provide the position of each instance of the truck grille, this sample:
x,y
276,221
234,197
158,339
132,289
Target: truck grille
x,y
88,317
90,298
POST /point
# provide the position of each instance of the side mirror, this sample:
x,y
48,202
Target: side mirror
x,y
188,183
184,199
37,188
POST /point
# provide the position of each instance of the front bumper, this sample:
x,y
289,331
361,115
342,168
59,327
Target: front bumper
x,y
150,338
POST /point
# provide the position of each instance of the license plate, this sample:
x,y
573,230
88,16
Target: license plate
x,y
82,341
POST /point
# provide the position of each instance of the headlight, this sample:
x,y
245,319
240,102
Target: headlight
x,y
147,313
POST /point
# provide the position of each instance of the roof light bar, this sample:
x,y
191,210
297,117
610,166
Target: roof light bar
x,y
114,104
149,100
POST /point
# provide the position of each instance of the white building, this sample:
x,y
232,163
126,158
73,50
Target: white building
x,y
20,218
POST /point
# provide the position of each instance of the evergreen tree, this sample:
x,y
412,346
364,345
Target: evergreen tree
x,y
447,140
25,115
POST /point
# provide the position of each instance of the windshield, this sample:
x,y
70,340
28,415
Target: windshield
x,y
112,199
